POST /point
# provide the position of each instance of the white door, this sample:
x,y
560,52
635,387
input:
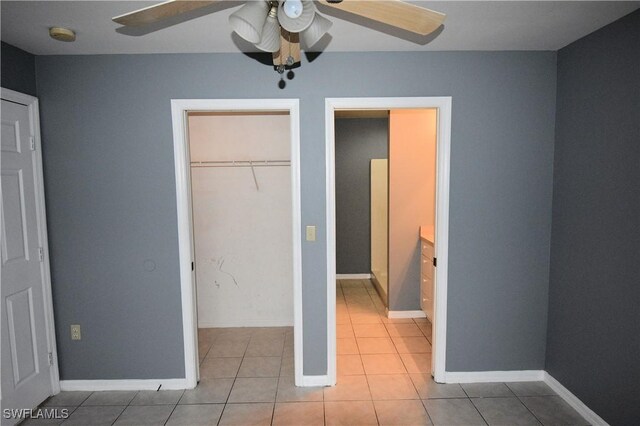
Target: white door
x,y
26,370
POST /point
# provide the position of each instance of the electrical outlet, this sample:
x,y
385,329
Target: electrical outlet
x,y
75,332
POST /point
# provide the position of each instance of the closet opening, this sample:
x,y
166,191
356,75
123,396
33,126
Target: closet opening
x,y
242,232
238,187
387,162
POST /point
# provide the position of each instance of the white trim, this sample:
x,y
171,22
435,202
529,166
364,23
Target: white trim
x,y
443,104
240,322
34,114
528,376
179,108
494,376
330,205
574,401
406,314
353,276
187,288
122,385
442,239
317,381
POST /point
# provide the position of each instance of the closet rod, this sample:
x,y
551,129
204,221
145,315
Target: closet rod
x,y
242,163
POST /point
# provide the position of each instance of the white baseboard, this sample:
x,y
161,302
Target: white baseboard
x,y
527,376
239,322
450,377
406,314
381,291
316,381
112,385
494,376
574,401
353,276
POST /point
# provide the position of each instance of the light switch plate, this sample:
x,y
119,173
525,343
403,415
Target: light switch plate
x,y
311,233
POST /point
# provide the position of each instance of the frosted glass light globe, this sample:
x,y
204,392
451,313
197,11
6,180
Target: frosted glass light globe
x,y
292,8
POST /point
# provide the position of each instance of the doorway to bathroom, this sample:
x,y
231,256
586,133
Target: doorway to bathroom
x,y
387,166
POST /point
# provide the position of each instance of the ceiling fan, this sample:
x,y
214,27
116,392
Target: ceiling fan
x,y
279,26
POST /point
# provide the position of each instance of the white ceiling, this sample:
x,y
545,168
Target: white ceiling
x,y
471,25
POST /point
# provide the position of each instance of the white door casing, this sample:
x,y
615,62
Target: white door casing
x,y
443,105
179,110
29,372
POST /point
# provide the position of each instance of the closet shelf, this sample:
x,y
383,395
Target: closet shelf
x,y
242,163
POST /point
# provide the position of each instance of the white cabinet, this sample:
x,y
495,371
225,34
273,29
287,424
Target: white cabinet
x,y
380,225
426,276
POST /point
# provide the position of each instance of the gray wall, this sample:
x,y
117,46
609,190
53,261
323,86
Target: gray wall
x,y
18,69
106,124
593,341
358,140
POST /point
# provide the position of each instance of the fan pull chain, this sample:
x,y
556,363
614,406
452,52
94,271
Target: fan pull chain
x,y
290,60
280,69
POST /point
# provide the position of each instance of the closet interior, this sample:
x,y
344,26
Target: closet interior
x,y
241,200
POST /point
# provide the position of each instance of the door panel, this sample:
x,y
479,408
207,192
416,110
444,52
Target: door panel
x,y
22,336
26,373
15,245
10,136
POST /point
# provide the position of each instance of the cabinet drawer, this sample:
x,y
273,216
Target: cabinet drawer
x,y
427,250
426,267
427,287
426,297
426,304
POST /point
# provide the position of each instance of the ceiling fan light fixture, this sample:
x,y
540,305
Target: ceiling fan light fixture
x,y
318,28
292,8
300,23
249,20
293,22
270,41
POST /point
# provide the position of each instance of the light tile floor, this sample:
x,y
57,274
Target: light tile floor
x,y
383,379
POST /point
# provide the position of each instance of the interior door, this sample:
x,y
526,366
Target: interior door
x,y
26,370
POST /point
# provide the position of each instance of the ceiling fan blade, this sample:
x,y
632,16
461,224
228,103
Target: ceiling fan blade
x,y
289,45
396,13
159,12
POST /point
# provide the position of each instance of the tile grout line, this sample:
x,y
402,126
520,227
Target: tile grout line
x,y
234,379
366,377
419,398
206,353
125,408
171,413
176,405
476,408
74,408
474,405
528,409
324,401
357,344
385,327
275,397
422,400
